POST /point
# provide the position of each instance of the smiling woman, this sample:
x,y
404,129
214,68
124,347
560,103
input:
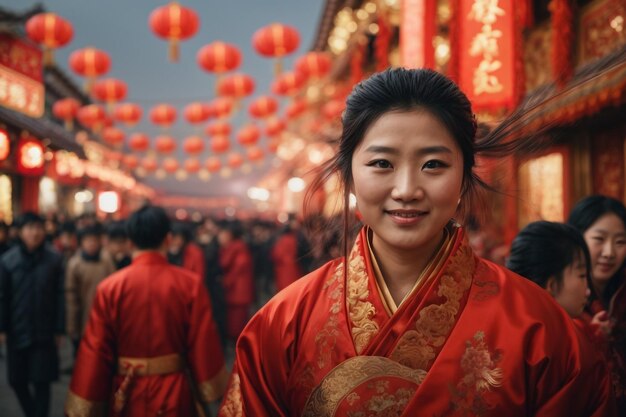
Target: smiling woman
x,y
410,321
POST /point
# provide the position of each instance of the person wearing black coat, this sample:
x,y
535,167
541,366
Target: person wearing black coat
x,y
32,315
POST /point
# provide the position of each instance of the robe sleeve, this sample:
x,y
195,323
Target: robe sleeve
x,y
258,382
90,388
205,355
72,300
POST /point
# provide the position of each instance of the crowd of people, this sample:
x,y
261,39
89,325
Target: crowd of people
x,y
390,313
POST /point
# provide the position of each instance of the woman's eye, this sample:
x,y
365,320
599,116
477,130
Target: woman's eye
x,y
380,163
434,164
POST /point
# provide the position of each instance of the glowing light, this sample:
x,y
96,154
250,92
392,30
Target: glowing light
x,y
352,201
257,193
108,202
181,214
296,184
282,217
83,197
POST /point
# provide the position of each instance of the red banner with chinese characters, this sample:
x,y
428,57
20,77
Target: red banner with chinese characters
x,y
487,53
21,75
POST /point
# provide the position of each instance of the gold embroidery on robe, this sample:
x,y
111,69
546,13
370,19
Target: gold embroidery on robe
x,y
214,388
233,405
76,406
360,310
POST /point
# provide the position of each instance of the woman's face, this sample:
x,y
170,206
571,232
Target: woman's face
x,y
573,293
606,239
407,174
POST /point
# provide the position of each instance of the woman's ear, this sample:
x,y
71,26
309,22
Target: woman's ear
x,y
552,286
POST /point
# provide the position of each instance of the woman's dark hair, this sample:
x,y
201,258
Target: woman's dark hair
x,y
544,249
584,214
148,227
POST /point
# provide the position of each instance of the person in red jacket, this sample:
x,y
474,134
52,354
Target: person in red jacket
x,y
184,252
287,268
236,262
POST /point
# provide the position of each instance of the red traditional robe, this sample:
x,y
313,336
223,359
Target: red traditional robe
x,y
238,282
285,259
149,310
193,259
471,339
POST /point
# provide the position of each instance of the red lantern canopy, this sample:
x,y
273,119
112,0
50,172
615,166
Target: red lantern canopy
x,y
213,164
235,160
296,108
274,127
248,135
174,23
139,142
30,157
218,129
288,84
222,107
333,109
110,90
236,85
262,107
128,113
164,144
90,63
149,164
113,136
275,41
273,144
163,115
92,116
131,161
219,57
170,165
66,110
314,65
255,154
193,145
5,145
197,112
220,144
51,31
192,166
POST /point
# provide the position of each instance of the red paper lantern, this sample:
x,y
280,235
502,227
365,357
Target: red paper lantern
x,y
222,107
213,164
30,157
113,136
295,108
90,63
255,154
66,110
273,144
197,112
5,145
314,65
51,31
288,84
262,107
131,161
192,166
170,165
333,109
219,57
275,127
174,23
92,116
220,144
110,90
163,115
193,145
139,142
248,135
235,160
149,164
276,40
165,144
128,113
218,129
236,85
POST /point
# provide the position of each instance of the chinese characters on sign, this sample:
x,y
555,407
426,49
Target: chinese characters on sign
x,y
487,53
21,86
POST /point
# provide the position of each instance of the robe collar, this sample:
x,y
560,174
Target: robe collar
x,y
149,258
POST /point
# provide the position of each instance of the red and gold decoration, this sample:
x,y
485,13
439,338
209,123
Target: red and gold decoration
x,y
66,110
164,144
130,161
236,85
296,108
417,29
149,164
193,145
163,115
192,165
197,112
50,31
563,44
314,65
92,116
5,145
248,135
333,109
21,76
213,164
174,23
222,107
170,165
276,41
218,129
255,154
235,160
275,127
263,107
90,63
128,113
110,90
113,136
139,142
220,144
30,157
219,57
273,144
288,84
